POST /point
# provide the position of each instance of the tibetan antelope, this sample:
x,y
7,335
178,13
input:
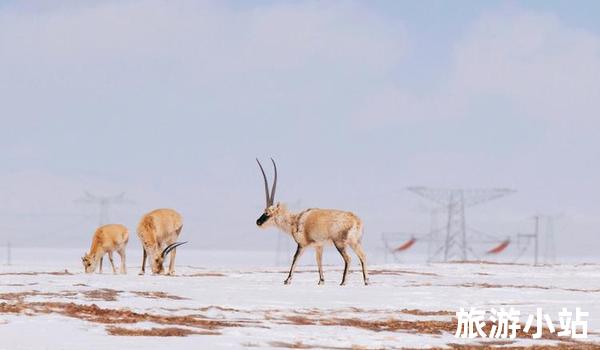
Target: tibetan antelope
x,y
158,231
107,239
314,227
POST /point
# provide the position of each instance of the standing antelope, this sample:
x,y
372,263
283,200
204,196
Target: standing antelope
x,y
107,239
315,227
158,231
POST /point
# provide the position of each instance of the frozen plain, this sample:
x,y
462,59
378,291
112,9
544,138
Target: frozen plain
x,y
50,304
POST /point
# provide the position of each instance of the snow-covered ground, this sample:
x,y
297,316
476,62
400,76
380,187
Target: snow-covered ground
x,y
51,304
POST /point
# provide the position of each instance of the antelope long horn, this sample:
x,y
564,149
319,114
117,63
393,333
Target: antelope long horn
x,y
171,247
274,183
266,183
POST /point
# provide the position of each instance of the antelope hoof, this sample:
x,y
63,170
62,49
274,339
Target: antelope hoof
x,y
367,282
343,283
287,281
141,273
321,282
170,273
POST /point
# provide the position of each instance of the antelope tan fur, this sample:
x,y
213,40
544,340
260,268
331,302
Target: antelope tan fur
x,y
158,231
107,239
315,227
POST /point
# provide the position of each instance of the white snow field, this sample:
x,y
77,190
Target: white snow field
x,y
51,304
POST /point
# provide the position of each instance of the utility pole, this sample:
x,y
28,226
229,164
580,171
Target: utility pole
x,y
535,235
8,256
549,246
537,238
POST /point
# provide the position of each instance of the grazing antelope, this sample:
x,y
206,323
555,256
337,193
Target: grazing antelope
x,y
107,239
315,227
158,231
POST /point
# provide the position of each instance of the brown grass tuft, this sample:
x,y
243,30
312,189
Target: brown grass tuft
x,y
105,294
558,346
296,345
155,332
93,313
418,312
53,273
205,274
401,272
300,345
158,295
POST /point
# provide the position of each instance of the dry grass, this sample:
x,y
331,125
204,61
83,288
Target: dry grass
x,y
93,313
487,346
486,262
53,273
395,325
220,308
20,296
158,295
390,325
18,284
205,274
104,294
296,345
194,323
401,272
519,286
502,286
300,345
418,312
155,332
559,346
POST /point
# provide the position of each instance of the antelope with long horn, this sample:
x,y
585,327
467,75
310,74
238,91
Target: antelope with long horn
x,y
158,231
314,228
107,239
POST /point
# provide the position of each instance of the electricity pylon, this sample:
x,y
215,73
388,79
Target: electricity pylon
x,y
104,203
455,201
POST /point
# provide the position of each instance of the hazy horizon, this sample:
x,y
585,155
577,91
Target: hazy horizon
x,y
171,102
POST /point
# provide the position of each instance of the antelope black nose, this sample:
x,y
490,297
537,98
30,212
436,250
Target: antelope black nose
x,y
261,220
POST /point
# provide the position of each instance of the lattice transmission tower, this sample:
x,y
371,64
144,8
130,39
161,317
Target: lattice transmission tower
x,y
104,203
455,245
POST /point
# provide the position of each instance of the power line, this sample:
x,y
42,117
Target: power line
x,y
104,203
455,202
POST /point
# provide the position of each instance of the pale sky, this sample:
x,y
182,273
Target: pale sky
x,y
171,101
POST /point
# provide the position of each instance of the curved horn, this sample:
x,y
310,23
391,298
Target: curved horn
x,y
170,247
266,183
274,183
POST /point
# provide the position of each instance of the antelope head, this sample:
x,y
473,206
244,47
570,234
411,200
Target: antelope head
x,y
271,209
157,262
89,263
